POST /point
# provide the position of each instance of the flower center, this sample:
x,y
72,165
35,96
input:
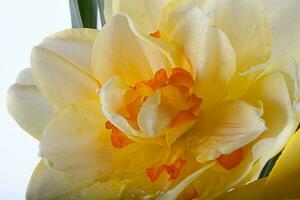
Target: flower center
x,y
154,107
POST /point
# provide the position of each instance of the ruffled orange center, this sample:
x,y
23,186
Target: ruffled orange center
x,y
118,138
176,98
173,170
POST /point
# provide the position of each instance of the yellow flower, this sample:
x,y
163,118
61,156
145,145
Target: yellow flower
x,y
177,99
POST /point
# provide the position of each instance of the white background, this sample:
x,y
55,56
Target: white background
x,y
23,24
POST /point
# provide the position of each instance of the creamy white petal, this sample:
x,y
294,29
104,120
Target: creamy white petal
x,y
246,25
152,117
273,91
77,142
224,128
25,77
27,106
47,183
206,47
61,82
74,45
284,19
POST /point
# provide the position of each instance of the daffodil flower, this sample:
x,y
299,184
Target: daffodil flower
x,y
177,99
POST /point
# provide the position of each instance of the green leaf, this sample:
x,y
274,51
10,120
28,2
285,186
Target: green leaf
x,y
269,166
83,13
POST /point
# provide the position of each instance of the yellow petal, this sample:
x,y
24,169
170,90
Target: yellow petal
x,y
145,13
127,167
74,45
121,48
283,181
248,192
47,183
153,117
247,28
215,66
285,25
290,70
111,189
179,28
207,48
76,142
218,180
278,116
27,106
173,193
61,82
224,128
111,95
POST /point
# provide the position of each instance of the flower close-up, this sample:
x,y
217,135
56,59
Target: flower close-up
x,y
171,99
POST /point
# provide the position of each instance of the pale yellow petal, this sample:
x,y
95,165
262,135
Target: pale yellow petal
x,y
47,183
284,19
224,128
180,29
121,49
173,193
247,28
145,13
283,181
153,117
215,66
61,82
76,142
244,22
206,47
25,77
111,95
27,106
248,192
218,180
111,189
74,45
272,91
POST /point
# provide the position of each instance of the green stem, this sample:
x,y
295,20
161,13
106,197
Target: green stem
x,y
83,13
269,166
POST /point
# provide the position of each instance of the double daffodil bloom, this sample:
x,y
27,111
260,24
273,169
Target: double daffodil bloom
x,y
182,99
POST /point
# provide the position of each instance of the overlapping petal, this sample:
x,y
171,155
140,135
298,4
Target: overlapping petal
x,y
250,35
145,13
278,116
121,48
224,128
207,48
74,45
28,107
60,81
285,23
47,183
76,142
